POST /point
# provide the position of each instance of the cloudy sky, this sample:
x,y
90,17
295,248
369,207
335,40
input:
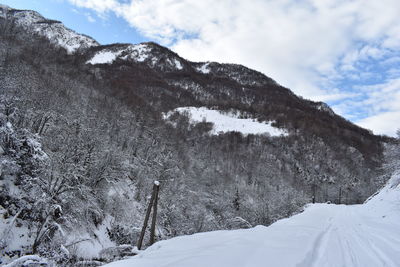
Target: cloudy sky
x,y
343,52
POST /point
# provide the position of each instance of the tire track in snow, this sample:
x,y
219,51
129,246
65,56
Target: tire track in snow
x,y
318,247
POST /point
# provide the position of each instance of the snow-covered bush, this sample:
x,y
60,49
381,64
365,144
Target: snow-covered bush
x,y
29,261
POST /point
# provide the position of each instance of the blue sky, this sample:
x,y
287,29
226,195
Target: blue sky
x,y
343,52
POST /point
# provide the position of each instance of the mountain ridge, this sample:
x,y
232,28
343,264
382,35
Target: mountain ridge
x,y
94,45
38,18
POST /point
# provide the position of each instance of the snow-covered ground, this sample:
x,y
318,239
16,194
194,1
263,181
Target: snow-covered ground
x,y
323,235
228,122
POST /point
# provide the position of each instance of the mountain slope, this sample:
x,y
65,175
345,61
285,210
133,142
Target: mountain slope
x,y
158,75
324,235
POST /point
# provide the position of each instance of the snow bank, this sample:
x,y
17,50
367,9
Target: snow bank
x,y
228,122
324,235
28,260
90,247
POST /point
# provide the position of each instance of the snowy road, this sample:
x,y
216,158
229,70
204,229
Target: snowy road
x,y
323,235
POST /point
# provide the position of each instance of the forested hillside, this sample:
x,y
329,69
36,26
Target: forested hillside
x,y
83,135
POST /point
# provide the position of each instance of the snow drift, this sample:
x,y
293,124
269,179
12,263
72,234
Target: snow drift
x,y
323,235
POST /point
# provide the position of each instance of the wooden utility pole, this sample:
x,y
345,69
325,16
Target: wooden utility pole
x,y
153,221
154,195
314,189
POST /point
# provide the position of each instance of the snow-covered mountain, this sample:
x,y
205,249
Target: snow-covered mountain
x,y
55,31
230,146
324,235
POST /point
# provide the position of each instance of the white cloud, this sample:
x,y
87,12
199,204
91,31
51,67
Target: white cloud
x,y
90,18
100,6
306,45
383,123
378,105
335,97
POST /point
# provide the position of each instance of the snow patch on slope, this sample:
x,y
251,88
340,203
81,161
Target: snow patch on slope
x,y
324,235
178,64
139,52
324,107
136,53
103,57
227,121
12,237
203,68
